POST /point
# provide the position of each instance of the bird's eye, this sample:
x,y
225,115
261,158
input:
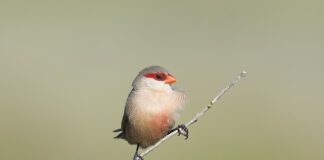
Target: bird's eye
x,y
158,76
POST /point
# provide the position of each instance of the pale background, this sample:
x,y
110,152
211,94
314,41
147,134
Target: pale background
x,y
66,68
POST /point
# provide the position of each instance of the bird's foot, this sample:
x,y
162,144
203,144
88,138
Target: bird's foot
x,y
182,129
137,157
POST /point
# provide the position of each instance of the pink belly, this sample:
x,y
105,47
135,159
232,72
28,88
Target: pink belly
x,y
149,130
160,124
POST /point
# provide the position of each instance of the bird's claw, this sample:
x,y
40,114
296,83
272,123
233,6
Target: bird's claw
x,y
137,157
183,130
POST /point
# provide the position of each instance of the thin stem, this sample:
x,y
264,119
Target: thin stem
x,y
198,115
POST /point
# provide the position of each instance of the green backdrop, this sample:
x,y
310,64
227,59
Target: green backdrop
x,y
66,68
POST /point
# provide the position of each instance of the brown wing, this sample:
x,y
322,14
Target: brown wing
x,y
124,120
122,129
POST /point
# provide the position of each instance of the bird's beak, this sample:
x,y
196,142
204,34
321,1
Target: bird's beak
x,y
170,79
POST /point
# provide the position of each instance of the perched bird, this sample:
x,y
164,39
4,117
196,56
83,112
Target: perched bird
x,y
151,109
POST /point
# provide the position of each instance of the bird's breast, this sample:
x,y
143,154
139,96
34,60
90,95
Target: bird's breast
x,y
160,123
155,101
151,116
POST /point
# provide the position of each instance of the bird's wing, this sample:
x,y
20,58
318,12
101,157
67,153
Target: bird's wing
x,y
122,129
124,120
124,123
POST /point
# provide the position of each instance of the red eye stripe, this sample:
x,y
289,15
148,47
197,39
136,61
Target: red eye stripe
x,y
157,76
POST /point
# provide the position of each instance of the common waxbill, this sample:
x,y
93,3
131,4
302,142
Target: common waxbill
x,y
151,109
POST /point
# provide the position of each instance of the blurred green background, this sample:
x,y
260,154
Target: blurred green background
x,y
66,69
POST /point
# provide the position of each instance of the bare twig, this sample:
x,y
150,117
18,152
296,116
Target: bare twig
x,y
199,114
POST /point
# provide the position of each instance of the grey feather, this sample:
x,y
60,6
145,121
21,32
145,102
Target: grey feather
x,y
150,69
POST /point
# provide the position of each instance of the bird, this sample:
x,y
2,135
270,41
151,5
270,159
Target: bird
x,y
151,109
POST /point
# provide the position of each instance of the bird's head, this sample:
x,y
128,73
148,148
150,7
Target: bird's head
x,y
154,77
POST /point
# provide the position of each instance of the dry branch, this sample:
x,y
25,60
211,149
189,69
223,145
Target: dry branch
x,y
198,115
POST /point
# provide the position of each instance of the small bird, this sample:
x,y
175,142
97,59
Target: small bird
x,y
151,109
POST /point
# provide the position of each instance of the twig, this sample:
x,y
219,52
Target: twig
x,y
199,114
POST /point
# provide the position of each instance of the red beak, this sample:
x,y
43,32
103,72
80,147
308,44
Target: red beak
x,y
170,79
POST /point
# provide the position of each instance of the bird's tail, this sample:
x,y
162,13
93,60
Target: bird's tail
x,y
120,135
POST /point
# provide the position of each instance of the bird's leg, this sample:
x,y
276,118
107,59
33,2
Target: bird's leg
x,y
137,156
182,129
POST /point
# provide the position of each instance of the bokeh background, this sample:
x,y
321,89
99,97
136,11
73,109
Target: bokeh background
x,y
66,68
